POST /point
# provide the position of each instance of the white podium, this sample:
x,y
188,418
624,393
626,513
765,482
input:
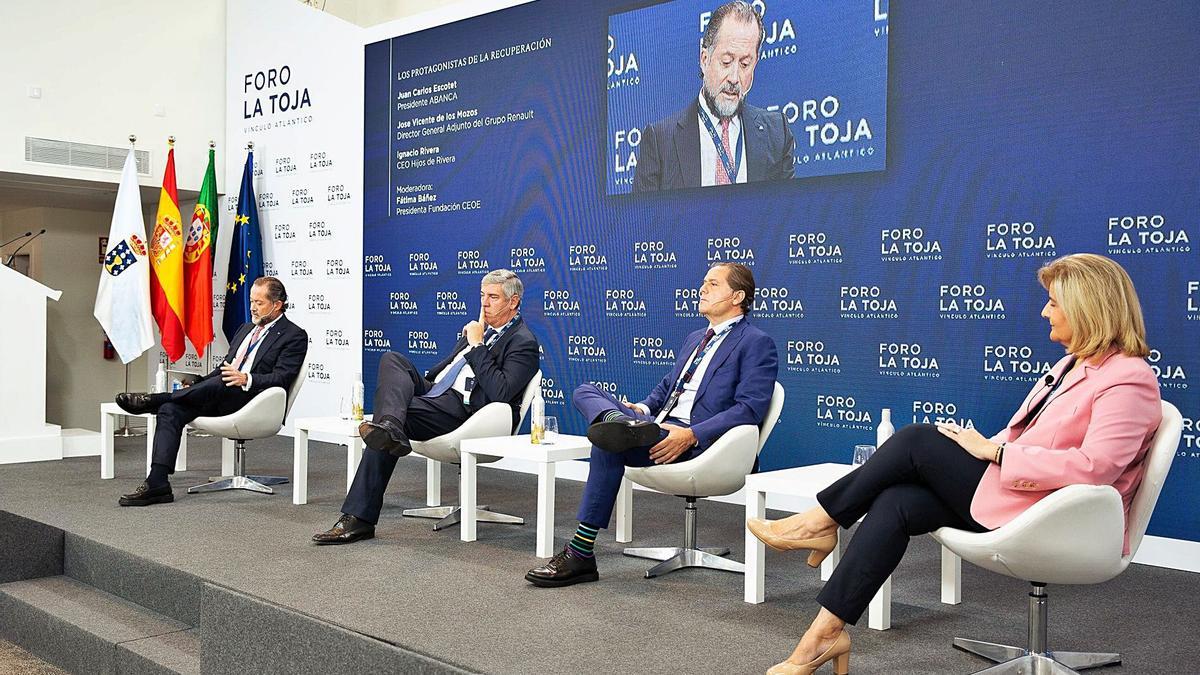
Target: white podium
x,y
24,434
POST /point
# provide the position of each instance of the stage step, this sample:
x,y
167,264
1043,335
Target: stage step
x,y
81,628
152,585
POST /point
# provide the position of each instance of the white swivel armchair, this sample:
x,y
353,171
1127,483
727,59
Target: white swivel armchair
x,y
493,419
1073,536
719,470
262,417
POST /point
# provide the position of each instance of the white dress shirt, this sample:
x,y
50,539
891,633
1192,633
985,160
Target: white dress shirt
x,y
683,408
249,360
708,149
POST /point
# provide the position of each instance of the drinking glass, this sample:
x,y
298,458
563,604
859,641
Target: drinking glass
x,y
862,453
344,408
551,430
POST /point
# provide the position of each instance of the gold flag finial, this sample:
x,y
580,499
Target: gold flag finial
x,y
249,145
132,139
171,141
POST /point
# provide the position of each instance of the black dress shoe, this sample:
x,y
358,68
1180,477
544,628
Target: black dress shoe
x,y
564,569
384,437
139,404
623,434
347,530
145,495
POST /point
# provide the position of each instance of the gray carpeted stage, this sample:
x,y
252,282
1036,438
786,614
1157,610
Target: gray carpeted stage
x,y
235,585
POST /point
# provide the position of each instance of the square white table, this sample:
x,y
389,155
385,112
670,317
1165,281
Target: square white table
x,y
805,482
545,455
332,429
109,412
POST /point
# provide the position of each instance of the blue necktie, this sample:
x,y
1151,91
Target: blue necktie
x,y
443,385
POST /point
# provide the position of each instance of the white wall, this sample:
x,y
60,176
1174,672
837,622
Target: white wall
x,y
66,259
102,67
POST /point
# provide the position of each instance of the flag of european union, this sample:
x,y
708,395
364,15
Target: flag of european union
x,y
245,255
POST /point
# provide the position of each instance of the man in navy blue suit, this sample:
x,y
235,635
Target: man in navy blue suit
x,y
724,377
719,138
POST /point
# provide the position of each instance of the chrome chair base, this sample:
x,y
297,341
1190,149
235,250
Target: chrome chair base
x,y
239,480
676,558
689,555
1037,659
252,483
1016,661
448,516
265,480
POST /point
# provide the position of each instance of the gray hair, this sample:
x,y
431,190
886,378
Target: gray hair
x,y
275,289
508,278
741,11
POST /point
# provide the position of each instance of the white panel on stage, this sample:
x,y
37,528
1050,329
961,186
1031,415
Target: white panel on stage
x,y
24,434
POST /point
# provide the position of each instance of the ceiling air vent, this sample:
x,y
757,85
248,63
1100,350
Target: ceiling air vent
x,y
83,155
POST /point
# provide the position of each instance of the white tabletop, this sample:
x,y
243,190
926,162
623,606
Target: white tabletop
x,y
802,481
563,447
329,425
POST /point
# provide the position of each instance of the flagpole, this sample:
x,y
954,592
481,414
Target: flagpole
x,y
126,431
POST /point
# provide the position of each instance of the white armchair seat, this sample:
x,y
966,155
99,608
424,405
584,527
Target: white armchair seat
x,y
491,421
262,417
719,470
1074,535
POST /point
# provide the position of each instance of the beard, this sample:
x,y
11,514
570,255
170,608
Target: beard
x,y
721,107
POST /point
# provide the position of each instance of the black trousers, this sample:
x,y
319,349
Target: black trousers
x,y
916,482
209,398
398,399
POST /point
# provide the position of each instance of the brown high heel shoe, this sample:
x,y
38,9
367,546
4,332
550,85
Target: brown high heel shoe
x,y
820,547
838,652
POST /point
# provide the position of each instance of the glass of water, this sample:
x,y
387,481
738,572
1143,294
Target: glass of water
x,y
344,408
862,453
551,430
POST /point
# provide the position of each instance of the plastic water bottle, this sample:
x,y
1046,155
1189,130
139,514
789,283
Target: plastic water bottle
x,y
357,398
160,378
885,429
537,419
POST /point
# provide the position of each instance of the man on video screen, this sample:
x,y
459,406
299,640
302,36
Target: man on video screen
x,y
719,138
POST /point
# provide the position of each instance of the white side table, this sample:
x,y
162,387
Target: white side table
x,y
805,482
545,455
332,429
109,412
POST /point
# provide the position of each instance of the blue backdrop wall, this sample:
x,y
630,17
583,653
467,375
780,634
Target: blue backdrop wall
x,y
1003,135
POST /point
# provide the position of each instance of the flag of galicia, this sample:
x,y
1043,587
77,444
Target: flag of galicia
x,y
245,255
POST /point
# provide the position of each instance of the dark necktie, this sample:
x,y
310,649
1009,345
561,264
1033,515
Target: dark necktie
x,y
443,385
723,177
687,375
251,343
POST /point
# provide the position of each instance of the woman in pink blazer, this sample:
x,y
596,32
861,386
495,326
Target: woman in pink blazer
x,y
1089,421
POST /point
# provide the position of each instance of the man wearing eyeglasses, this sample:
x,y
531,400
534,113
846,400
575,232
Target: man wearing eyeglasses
x,y
494,360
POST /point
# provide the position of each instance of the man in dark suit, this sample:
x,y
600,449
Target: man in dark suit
x,y
265,353
494,360
725,376
719,138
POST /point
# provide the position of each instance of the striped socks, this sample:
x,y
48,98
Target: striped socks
x,y
613,416
583,544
